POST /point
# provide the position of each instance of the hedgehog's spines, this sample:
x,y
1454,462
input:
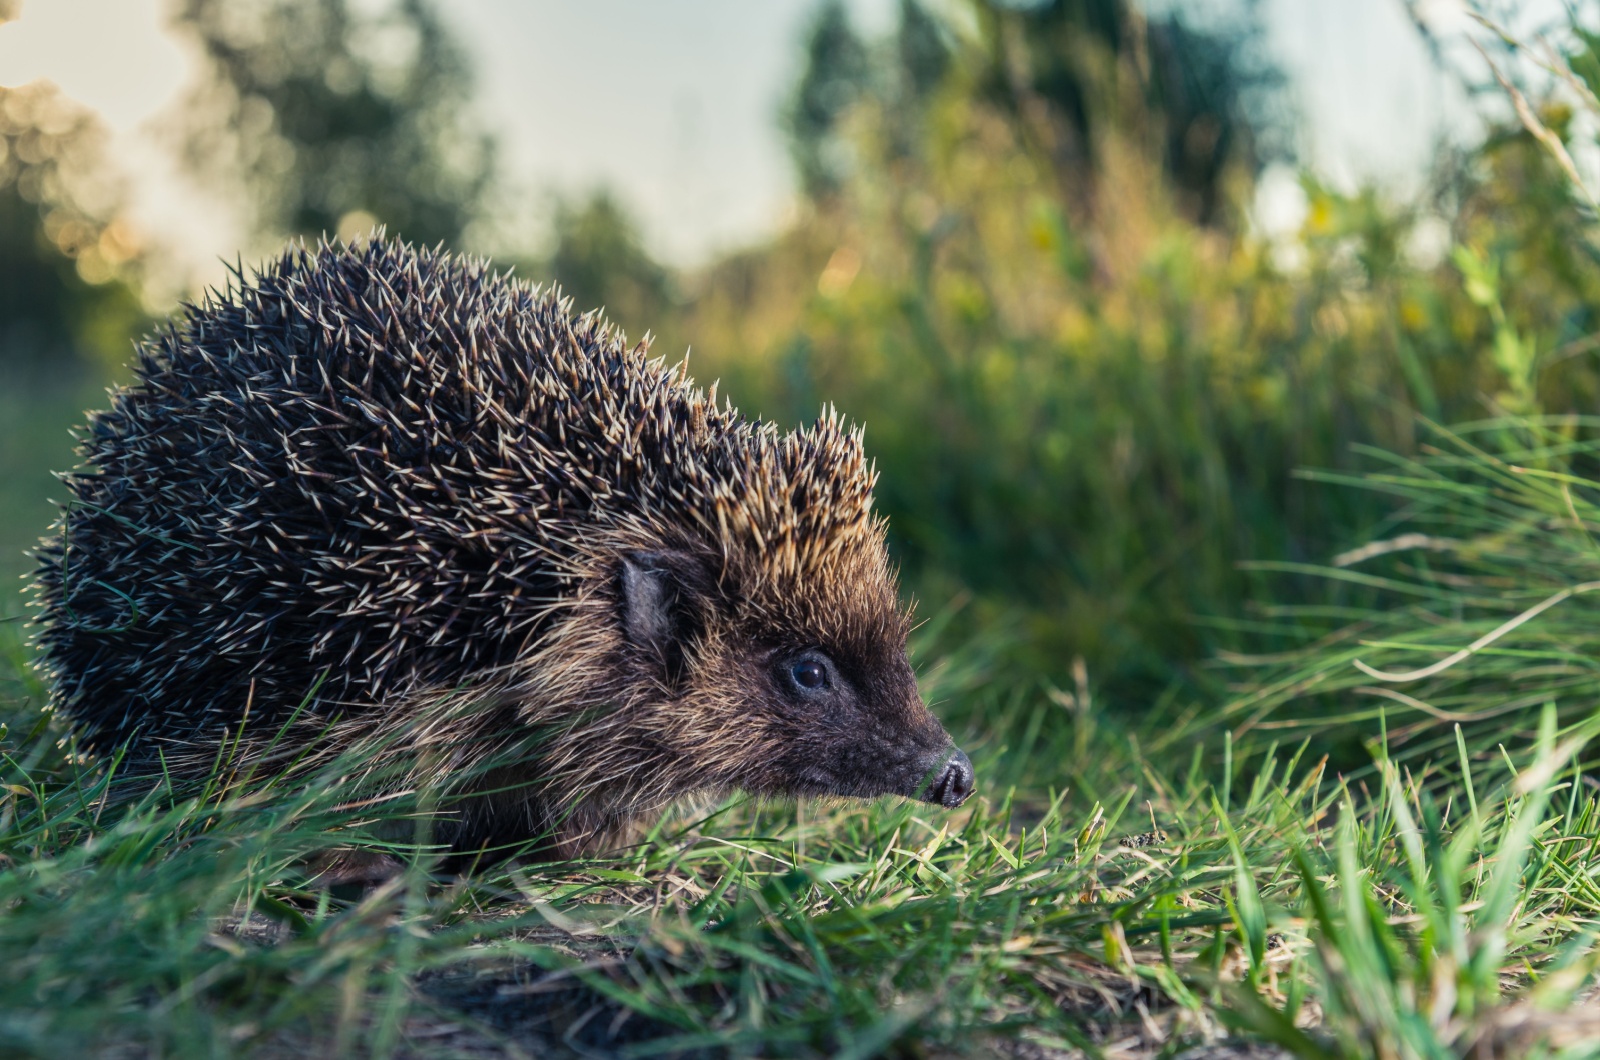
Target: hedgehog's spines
x,y
276,347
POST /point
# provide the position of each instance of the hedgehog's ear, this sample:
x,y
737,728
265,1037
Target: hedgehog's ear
x,y
658,612
648,600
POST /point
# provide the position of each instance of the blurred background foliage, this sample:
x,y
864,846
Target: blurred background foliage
x,y
1025,258
66,260
333,116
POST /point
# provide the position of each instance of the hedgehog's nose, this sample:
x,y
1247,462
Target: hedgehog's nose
x,y
951,788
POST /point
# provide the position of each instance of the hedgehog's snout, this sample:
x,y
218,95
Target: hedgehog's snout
x,y
953,784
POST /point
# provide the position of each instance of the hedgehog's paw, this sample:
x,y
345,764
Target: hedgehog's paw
x,y
347,868
591,833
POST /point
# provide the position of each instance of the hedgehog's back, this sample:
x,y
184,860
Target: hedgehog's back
x,y
344,479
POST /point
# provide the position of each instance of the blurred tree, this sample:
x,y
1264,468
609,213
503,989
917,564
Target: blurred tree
x,y
840,71
335,115
1073,72
1219,102
1200,98
599,260
833,79
66,260
919,60
922,50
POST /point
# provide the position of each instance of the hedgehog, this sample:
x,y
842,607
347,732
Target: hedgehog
x,y
384,498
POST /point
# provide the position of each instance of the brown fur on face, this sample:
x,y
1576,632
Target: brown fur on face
x,y
380,505
693,698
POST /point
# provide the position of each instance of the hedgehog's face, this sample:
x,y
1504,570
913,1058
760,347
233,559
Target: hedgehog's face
x,y
853,722
787,700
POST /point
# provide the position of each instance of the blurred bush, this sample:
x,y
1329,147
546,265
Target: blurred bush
x,y
1088,384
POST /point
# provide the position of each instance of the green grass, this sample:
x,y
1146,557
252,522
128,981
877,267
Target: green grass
x,y
1120,888
1409,925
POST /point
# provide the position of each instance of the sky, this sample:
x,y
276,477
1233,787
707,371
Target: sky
x,y
673,104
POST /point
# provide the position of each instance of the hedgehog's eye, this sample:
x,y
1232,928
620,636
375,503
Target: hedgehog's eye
x,y
809,673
